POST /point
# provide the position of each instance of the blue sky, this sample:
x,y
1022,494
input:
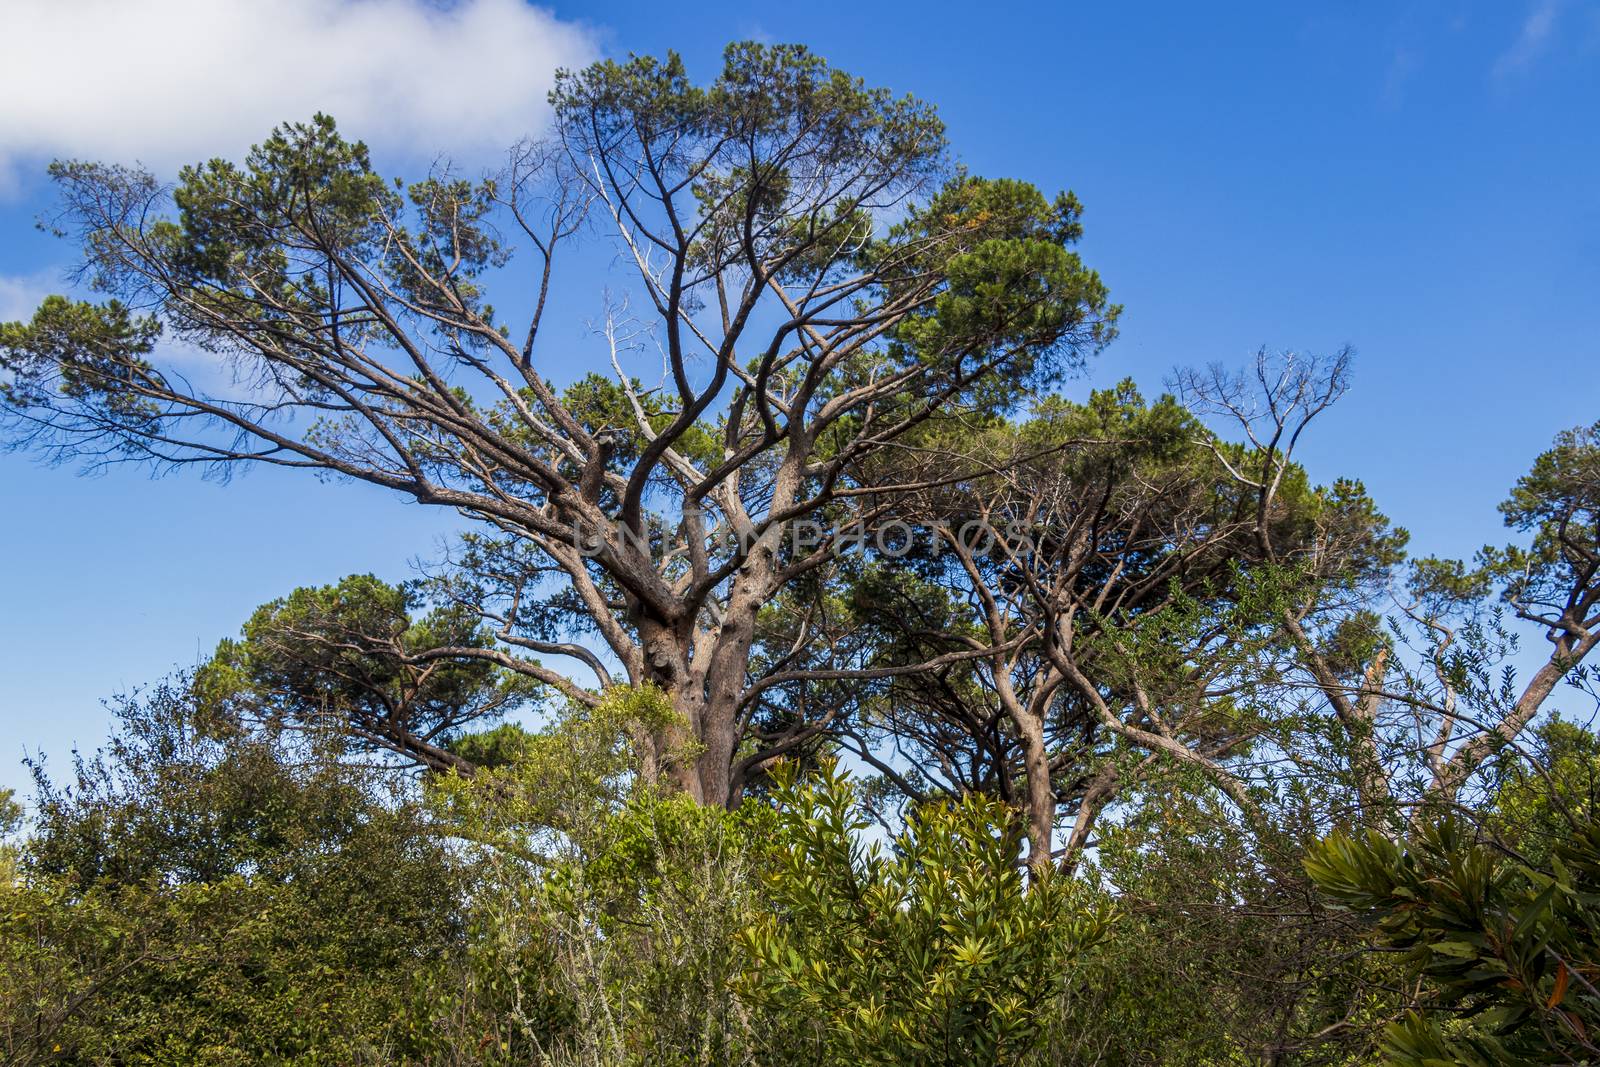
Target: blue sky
x,y
1414,179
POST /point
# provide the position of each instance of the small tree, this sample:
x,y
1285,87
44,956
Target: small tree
x,y
353,659
188,897
1113,614
1422,729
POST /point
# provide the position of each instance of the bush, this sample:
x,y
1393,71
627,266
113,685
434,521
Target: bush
x,y
1507,952
935,951
195,899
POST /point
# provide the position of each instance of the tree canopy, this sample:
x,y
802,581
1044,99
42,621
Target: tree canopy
x,y
819,280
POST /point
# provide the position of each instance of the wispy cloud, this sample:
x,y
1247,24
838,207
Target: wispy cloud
x,y
1532,40
1403,63
21,293
170,81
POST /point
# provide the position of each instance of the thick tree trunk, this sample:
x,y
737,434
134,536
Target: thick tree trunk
x,y
676,744
666,666
725,682
715,769
705,692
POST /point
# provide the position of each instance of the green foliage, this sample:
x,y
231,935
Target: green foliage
x,y
82,351
233,221
603,407
1508,951
1537,798
499,746
660,894
1012,284
1562,486
602,915
1556,574
545,790
1222,952
194,899
10,824
354,658
936,952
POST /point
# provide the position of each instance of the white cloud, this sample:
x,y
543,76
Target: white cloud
x,y
1536,31
20,293
165,82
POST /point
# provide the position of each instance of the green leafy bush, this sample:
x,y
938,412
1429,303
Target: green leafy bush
x,y
1508,952
934,951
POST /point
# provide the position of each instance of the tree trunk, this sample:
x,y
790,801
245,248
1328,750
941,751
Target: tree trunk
x,y
1041,805
704,692
666,666
725,682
